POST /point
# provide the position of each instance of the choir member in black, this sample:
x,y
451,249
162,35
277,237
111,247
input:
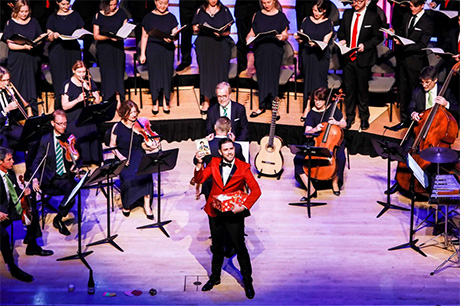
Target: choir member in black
x,y
11,119
110,51
159,54
76,93
213,50
268,51
187,9
62,54
11,210
131,146
57,174
244,11
410,58
315,61
23,60
314,123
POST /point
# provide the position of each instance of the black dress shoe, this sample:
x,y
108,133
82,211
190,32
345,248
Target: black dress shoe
x,y
397,127
37,250
125,213
249,290
392,189
336,193
349,124
364,125
19,274
313,195
150,217
210,284
256,114
155,112
166,111
61,227
182,66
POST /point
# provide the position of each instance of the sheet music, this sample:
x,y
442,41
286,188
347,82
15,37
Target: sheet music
x,y
418,172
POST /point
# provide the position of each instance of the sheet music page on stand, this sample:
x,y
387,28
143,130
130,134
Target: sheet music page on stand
x,y
418,172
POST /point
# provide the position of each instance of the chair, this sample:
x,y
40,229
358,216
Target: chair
x,y
45,199
3,53
288,61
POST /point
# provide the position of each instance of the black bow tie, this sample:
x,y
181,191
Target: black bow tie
x,y
224,164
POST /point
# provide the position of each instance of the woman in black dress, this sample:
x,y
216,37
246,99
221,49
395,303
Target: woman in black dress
x,y
23,60
130,145
318,114
76,93
110,51
268,51
159,54
315,60
62,53
213,49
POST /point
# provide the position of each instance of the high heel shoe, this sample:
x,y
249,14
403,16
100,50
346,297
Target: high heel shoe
x,y
125,212
336,193
155,112
256,114
149,216
313,195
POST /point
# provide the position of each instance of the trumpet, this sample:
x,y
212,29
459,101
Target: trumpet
x,y
12,91
87,93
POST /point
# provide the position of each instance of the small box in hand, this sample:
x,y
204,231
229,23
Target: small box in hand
x,y
226,202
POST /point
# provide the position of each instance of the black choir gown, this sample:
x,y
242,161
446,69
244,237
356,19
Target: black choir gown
x,y
111,55
268,55
24,65
160,55
313,119
213,53
63,53
133,187
315,62
87,135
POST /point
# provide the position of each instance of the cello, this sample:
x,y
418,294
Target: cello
x,y
331,137
436,128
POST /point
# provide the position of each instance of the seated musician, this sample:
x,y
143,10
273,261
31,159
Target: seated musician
x,y
9,212
314,123
57,177
10,120
423,98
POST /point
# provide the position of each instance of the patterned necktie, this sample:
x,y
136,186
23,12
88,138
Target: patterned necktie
x,y
225,111
13,194
354,38
430,100
59,159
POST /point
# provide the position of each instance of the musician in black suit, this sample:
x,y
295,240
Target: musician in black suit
x,y
228,108
58,174
410,59
357,70
9,193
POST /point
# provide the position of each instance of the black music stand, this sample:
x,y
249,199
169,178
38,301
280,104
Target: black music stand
x,y
107,172
309,151
156,163
391,151
416,172
34,128
97,113
80,255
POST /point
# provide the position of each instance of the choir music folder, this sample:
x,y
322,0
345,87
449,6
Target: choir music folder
x,y
22,40
303,36
261,35
122,33
162,35
208,28
77,34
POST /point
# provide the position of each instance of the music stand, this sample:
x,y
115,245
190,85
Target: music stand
x,y
156,163
97,113
34,128
418,173
107,172
80,255
391,151
309,151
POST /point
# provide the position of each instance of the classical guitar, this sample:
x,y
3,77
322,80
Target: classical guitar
x,y
269,160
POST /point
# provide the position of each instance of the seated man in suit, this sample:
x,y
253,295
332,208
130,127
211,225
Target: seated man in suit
x,y
228,174
58,175
230,109
10,210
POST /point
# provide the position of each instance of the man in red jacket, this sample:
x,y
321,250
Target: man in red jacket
x,y
228,174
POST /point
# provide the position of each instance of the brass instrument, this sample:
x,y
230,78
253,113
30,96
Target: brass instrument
x,y
12,91
88,94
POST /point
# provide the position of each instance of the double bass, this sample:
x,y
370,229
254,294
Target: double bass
x,y
436,128
331,137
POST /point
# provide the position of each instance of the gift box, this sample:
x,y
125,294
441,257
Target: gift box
x,y
226,202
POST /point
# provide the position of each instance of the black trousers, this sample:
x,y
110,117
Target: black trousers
x,y
408,80
356,82
233,225
61,185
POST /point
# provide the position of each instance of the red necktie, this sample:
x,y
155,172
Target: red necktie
x,y
458,47
47,3
446,3
354,37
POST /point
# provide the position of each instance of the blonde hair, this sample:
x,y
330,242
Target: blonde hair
x,y
17,7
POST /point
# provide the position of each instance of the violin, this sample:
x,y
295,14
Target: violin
x,y
142,127
25,205
71,154
331,137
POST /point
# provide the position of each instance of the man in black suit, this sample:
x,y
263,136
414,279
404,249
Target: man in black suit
x,y
10,210
230,109
58,174
410,59
359,28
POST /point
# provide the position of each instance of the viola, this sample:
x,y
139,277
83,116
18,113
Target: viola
x,y
25,205
71,154
142,127
331,137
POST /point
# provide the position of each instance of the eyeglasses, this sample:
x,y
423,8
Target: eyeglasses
x,y
222,97
358,1
426,82
61,123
